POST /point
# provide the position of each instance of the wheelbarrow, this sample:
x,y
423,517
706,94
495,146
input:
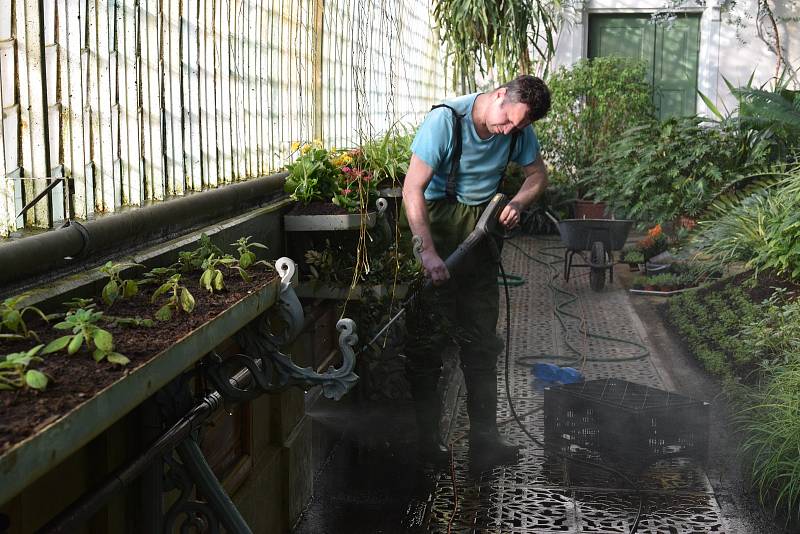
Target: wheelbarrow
x,y
593,240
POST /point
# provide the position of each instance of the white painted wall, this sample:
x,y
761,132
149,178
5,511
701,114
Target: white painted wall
x,y
726,49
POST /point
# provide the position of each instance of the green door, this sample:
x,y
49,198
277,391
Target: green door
x,y
670,50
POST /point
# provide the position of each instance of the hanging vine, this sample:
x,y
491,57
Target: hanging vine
x,y
496,36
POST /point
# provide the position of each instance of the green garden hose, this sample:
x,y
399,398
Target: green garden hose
x,y
561,313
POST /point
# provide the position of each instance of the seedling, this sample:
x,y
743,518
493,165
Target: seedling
x,y
158,275
212,278
11,319
14,372
117,287
83,323
78,303
179,298
131,322
247,258
192,261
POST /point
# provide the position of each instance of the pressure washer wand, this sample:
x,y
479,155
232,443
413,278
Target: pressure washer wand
x,y
485,226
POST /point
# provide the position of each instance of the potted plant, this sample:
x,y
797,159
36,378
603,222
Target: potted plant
x,y
333,189
387,157
593,102
633,257
654,243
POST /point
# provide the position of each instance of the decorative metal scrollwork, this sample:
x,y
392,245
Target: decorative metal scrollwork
x,y
187,512
270,370
288,306
381,204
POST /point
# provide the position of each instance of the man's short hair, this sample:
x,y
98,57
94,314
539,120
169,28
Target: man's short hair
x,y
529,90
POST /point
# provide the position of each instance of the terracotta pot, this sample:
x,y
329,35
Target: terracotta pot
x,y
586,209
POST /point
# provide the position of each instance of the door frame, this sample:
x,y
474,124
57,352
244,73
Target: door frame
x,y
576,39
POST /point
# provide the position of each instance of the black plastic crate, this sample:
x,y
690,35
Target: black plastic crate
x,y
627,423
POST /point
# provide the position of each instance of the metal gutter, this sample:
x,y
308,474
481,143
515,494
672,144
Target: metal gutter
x,y
69,247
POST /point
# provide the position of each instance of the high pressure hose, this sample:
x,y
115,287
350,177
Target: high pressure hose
x,y
560,313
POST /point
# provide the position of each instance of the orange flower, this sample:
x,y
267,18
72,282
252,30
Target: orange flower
x,y
654,232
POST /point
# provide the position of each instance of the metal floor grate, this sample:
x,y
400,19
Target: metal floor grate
x,y
544,493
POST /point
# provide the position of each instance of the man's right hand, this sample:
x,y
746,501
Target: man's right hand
x,y
434,266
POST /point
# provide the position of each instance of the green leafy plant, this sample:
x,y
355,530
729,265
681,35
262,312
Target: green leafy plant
x,y
313,175
775,335
193,260
85,331
592,104
78,303
772,428
116,287
482,35
12,318
158,275
358,187
658,171
387,157
212,278
129,322
178,298
248,258
633,256
15,371
762,230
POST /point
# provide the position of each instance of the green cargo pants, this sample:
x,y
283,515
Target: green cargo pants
x,y
464,310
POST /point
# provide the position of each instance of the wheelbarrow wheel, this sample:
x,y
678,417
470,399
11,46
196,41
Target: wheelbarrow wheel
x,y
597,275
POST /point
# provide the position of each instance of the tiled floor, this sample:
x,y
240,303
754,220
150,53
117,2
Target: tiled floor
x,y
370,482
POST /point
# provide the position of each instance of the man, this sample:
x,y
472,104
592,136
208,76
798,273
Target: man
x,y
444,194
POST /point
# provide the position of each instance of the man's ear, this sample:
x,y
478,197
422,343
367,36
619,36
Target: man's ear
x,y
501,92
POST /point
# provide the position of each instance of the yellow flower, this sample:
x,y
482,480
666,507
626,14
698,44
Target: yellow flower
x,y
295,146
317,143
305,148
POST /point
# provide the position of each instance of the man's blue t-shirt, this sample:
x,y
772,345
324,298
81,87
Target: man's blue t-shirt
x,y
482,160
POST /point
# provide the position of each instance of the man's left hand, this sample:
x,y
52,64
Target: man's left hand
x,y
510,215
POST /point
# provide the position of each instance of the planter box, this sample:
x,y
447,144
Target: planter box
x,y
324,291
323,223
27,460
391,192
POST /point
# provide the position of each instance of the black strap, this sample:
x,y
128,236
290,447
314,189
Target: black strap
x,y
514,137
455,159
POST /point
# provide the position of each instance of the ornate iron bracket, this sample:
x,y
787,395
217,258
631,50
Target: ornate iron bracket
x,y
270,370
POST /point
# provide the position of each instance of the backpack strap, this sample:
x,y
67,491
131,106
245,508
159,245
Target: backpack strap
x,y
450,186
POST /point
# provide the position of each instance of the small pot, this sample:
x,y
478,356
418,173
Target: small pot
x,y
586,209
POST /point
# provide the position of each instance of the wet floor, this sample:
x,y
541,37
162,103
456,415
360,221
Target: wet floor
x,y
368,479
